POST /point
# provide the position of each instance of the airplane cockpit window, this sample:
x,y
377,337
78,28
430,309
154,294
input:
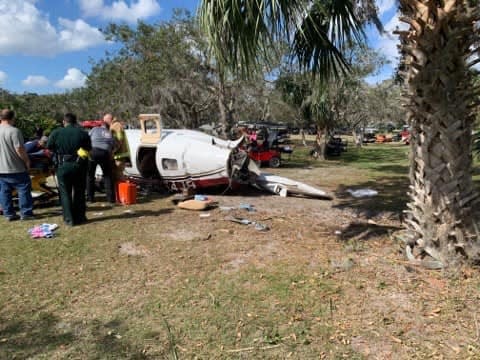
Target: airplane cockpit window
x,y
169,164
151,126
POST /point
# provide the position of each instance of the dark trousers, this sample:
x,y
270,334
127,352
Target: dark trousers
x,y
104,159
72,178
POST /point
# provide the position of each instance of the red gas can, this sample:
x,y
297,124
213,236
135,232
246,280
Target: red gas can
x,y
126,193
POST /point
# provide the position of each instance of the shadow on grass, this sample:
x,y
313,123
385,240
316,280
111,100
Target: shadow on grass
x,y
293,164
130,215
391,169
299,158
24,339
392,197
110,344
42,334
366,231
46,214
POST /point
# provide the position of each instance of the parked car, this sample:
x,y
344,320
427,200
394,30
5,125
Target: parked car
x,y
369,138
335,146
383,138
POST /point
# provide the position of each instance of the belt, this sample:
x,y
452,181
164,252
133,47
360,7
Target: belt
x,y
68,158
63,158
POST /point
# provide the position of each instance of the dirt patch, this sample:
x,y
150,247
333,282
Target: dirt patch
x,y
184,235
131,249
373,347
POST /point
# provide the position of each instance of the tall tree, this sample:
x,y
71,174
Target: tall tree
x,y
296,89
160,68
344,102
352,101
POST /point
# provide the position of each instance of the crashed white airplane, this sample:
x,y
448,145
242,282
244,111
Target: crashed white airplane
x,y
183,159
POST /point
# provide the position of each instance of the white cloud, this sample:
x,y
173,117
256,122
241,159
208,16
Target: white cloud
x,y
384,6
35,81
26,30
3,77
73,79
120,10
388,42
78,35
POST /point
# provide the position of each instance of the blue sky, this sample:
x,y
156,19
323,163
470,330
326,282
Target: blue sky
x,y
46,45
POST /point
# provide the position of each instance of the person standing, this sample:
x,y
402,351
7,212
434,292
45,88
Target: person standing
x,y
14,166
101,154
67,143
120,151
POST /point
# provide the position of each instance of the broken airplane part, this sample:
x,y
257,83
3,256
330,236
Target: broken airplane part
x,y
183,159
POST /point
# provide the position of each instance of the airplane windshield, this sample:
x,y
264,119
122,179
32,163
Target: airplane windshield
x,y
151,126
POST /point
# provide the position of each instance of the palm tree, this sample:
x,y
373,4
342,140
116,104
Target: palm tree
x,y
441,102
443,34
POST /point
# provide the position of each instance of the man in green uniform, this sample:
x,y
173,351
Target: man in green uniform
x,y
71,168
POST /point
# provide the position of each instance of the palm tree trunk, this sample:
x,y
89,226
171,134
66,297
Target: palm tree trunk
x,y
357,137
321,143
225,112
221,108
441,217
304,138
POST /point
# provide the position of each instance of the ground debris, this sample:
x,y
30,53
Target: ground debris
x,y
239,220
343,264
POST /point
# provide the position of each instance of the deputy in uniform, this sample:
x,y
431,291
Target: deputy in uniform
x,y
69,145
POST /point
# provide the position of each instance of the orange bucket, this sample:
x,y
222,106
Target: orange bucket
x,y
126,193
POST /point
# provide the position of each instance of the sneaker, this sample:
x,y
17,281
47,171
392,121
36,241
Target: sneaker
x,y
12,218
27,217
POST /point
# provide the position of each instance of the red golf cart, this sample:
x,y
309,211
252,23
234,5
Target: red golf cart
x,y
269,152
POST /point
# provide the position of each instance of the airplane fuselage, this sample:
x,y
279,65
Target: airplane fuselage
x,y
181,158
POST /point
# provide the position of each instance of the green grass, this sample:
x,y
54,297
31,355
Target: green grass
x,y
382,167
235,294
74,297
378,158
253,308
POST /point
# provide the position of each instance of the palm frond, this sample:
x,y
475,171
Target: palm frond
x,y
240,31
323,35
